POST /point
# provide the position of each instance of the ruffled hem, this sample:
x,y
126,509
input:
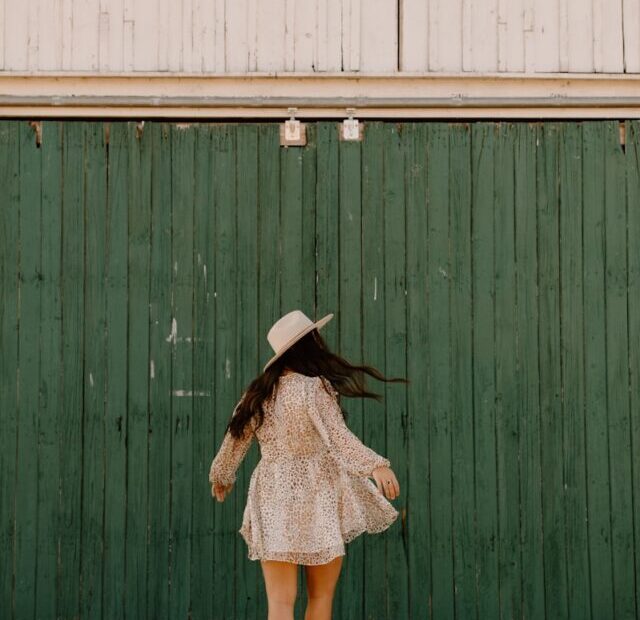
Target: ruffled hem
x,y
375,514
306,558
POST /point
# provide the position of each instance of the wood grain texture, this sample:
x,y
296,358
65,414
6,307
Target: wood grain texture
x,y
494,264
245,36
632,159
9,352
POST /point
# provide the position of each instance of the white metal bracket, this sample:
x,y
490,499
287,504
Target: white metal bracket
x,y
293,132
351,129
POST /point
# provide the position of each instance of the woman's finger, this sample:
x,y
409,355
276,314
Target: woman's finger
x,y
218,491
392,490
379,483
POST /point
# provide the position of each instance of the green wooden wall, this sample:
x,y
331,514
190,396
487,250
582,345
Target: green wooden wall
x,y
497,265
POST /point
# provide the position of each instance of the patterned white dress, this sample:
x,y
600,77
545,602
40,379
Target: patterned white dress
x,y
310,492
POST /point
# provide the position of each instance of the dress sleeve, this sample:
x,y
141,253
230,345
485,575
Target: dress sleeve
x,y
232,451
341,442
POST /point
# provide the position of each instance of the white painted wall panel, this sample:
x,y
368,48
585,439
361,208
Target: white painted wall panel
x,y
382,36
579,36
375,35
631,20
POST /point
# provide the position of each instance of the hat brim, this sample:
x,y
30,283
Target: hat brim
x,y
317,325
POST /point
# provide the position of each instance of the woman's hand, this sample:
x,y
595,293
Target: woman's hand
x,y
386,481
219,491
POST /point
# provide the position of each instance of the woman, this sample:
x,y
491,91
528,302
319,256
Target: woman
x,y
310,493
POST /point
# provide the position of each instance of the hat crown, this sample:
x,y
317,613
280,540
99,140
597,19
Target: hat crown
x,y
286,328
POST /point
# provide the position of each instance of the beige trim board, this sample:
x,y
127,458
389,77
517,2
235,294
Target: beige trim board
x,y
321,96
203,114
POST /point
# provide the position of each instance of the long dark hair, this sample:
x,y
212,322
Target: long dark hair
x,y
309,356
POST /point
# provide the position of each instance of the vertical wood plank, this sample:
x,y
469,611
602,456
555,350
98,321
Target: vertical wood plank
x,y
139,243
119,544
374,39
66,25
632,161
514,37
572,365
579,35
33,39
333,36
395,356
554,548
527,372
607,36
507,423
484,388
305,22
414,40
9,352
180,342
202,567
269,258
226,381
205,36
85,30
349,319
445,36
252,35
128,36
248,340
164,62
464,552
439,364
351,35
94,372
289,60
49,51
374,345
418,484
30,379
547,36
71,419
103,38
593,243
145,18
326,225
291,223
483,32
171,26
220,52
563,35
186,37
308,207
112,36
2,34
631,33
617,375
270,35
160,350
236,34
16,22
529,36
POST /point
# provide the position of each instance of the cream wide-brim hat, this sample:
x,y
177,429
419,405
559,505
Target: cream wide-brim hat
x,y
287,330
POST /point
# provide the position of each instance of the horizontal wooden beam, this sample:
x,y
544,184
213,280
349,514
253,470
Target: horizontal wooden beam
x,y
401,95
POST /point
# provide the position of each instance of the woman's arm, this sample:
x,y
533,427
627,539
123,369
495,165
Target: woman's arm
x,y
232,451
341,442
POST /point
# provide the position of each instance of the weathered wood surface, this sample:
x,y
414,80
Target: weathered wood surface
x,y
495,264
245,36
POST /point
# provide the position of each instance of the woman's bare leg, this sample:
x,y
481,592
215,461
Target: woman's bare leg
x,y
281,582
321,586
